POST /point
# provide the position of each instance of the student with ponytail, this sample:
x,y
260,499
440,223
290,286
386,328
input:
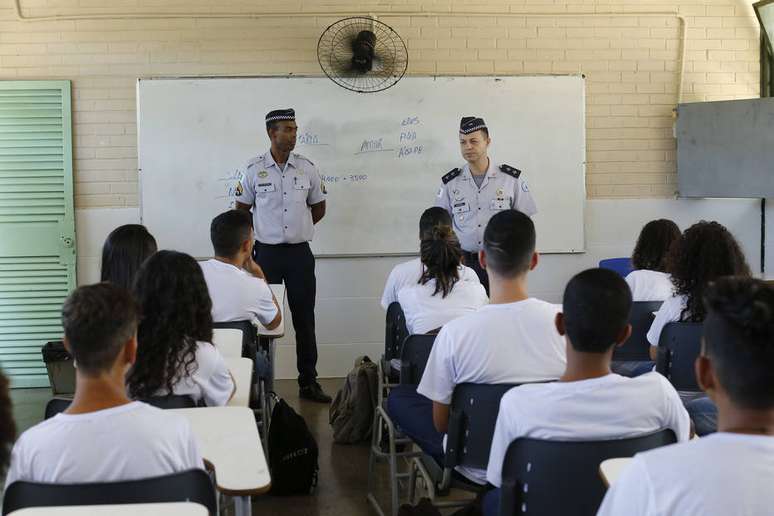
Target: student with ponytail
x,y
441,294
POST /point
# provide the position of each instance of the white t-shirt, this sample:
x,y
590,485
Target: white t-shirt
x,y
609,407
127,442
425,312
211,381
671,311
236,294
502,343
408,273
650,285
717,475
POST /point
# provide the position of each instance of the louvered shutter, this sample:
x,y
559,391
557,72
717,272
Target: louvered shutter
x,y
37,223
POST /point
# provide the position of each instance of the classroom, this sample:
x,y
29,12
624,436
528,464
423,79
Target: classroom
x,y
386,257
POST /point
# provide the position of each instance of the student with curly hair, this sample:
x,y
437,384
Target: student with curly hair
x,y
705,252
103,436
649,281
175,354
730,472
441,294
124,251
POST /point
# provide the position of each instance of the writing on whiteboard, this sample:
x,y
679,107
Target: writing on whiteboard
x,y
307,138
409,151
411,120
344,178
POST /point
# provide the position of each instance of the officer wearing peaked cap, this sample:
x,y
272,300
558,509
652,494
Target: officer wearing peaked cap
x,y
287,197
474,193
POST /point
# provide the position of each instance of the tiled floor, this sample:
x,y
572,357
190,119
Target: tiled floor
x,y
343,468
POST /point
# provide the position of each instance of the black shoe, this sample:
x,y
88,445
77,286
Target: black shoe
x,y
313,392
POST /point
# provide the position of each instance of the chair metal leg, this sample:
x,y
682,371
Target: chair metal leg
x,y
242,506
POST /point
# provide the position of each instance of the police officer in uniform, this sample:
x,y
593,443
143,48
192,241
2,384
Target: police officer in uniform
x,y
287,198
474,193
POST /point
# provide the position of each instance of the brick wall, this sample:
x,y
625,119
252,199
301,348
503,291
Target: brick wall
x,y
631,62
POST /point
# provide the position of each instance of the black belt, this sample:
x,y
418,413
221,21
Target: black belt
x,y
280,245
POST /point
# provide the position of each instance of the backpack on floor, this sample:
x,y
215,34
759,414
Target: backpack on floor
x,y
352,411
292,452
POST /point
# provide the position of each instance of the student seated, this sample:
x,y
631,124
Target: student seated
x,y
732,471
649,281
236,283
588,402
175,354
705,252
103,436
440,295
410,272
124,251
511,340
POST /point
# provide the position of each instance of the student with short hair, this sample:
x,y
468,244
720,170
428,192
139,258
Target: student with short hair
x,y
729,472
440,295
124,251
175,354
410,273
510,340
650,281
103,436
588,402
703,253
236,284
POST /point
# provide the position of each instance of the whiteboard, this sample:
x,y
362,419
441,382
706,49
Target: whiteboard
x,y
381,155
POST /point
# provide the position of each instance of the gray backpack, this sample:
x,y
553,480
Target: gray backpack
x,y
352,411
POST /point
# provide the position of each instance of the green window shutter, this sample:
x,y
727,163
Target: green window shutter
x,y
37,223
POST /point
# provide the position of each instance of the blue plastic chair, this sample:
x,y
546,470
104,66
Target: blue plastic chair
x,y
622,266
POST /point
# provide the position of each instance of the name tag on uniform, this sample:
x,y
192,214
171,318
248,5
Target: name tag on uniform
x,y
265,187
460,207
499,204
301,183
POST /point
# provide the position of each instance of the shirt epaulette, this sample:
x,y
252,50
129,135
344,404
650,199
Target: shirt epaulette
x,y
299,156
507,169
451,175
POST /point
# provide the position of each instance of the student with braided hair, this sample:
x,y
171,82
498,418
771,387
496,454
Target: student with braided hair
x,y
441,294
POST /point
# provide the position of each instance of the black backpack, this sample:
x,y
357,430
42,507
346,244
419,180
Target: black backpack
x,y
292,452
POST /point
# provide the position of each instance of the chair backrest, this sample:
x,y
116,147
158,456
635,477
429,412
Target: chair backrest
x,y
472,419
228,341
561,478
622,266
679,345
173,401
187,486
413,358
249,335
395,331
637,348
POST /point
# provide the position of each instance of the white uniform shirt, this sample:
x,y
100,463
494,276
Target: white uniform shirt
x,y
471,207
609,407
649,285
236,294
671,311
280,199
127,442
503,343
426,312
718,475
211,381
408,273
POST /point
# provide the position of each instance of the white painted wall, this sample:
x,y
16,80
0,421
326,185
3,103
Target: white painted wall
x,y
350,321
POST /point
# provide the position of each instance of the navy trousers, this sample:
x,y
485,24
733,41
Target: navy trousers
x,y
413,413
293,264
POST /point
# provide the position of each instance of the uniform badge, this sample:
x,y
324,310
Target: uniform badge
x,y
440,192
524,187
500,193
239,190
263,174
322,188
457,195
